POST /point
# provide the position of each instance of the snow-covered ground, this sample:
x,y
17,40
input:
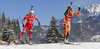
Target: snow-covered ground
x,y
87,45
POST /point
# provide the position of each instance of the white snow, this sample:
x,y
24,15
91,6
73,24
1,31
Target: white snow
x,y
94,9
80,21
96,38
45,28
87,45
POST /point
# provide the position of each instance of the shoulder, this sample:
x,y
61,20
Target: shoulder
x,y
27,16
34,15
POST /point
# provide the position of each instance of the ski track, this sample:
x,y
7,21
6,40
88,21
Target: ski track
x,y
87,45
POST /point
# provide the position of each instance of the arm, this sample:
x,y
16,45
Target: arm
x,y
78,11
67,11
25,18
36,18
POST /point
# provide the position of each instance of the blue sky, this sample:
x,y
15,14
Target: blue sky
x,y
44,9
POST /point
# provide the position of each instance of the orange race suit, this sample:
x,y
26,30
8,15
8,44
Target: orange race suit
x,y
66,22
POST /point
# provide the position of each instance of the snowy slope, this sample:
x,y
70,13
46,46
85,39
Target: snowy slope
x,y
54,46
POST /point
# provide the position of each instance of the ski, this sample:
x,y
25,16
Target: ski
x,y
70,43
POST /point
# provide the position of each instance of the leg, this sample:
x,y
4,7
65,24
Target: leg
x,y
65,30
30,34
66,33
68,30
23,32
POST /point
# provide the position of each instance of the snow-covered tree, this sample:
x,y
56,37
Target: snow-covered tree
x,y
3,17
16,27
5,35
18,31
53,35
26,40
11,31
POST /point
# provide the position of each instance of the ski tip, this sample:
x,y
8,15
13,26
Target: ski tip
x,y
67,43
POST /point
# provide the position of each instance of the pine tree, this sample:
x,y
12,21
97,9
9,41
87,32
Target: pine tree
x,y
18,31
16,28
14,25
5,35
53,35
26,40
10,28
3,24
3,17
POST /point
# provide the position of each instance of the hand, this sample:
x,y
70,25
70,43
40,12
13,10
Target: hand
x,y
79,8
23,25
39,23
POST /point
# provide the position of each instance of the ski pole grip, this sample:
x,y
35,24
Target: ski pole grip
x,y
23,25
79,8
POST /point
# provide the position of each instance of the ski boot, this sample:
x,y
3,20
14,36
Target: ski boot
x,y
30,43
18,40
66,41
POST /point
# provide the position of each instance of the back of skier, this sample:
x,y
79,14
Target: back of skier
x,y
29,25
68,17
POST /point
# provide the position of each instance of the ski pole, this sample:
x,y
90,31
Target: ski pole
x,y
81,27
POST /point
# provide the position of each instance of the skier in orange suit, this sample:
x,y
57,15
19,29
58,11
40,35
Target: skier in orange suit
x,y
68,17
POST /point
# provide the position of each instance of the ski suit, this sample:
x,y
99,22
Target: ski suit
x,y
67,25
29,25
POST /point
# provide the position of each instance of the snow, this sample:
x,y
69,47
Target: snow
x,y
80,21
85,45
96,38
45,28
94,9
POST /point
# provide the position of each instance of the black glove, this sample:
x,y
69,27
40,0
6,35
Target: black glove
x,y
79,8
39,23
23,25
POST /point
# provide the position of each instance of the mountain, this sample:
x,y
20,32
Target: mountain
x,y
89,14
92,10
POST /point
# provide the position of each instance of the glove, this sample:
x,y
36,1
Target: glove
x,y
39,23
23,25
79,8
